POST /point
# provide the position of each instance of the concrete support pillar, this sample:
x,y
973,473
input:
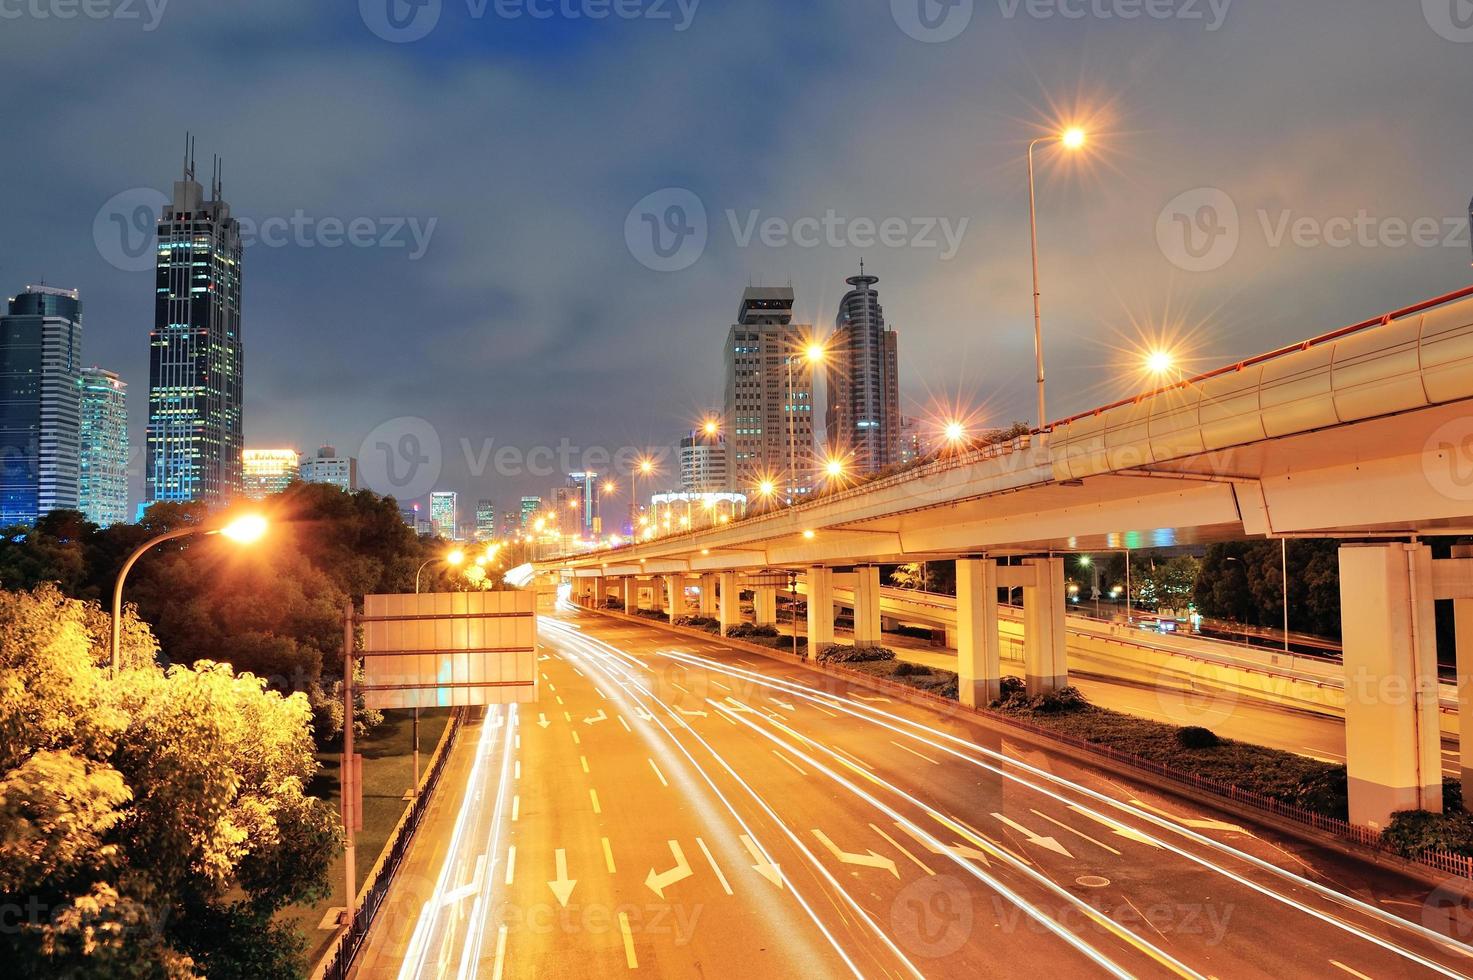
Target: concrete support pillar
x,y
867,606
708,595
1045,664
764,605
820,608
1392,739
629,592
1463,627
674,595
978,653
730,604
598,592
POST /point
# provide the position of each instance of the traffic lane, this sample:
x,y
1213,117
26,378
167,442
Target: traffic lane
x,y
916,909
1258,902
678,862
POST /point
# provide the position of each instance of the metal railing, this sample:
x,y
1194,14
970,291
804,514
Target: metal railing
x,y
338,962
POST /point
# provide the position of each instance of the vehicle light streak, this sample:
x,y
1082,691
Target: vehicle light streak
x,y
939,739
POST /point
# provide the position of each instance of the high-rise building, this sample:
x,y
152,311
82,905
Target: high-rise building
x,y
530,507
328,467
703,460
444,508
585,494
485,520
40,403
769,394
863,416
195,425
102,456
912,443
268,471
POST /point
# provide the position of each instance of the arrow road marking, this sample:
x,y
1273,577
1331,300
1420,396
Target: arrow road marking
x,y
595,719
657,882
1078,833
691,714
763,867
782,704
1227,828
469,888
869,860
896,844
960,850
873,700
542,720
1033,838
562,886
1118,829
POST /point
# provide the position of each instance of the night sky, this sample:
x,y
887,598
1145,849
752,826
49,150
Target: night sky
x,y
1234,148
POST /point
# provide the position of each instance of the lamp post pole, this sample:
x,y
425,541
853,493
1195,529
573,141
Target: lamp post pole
x,y
117,624
1037,304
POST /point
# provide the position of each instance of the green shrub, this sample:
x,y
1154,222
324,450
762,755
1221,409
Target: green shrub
x,y
1412,832
905,668
836,653
698,622
1196,737
1062,701
750,631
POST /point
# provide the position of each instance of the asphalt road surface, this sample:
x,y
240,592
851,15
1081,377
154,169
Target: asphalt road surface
x,y
677,808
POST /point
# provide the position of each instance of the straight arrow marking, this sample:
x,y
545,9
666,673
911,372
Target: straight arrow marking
x,y
960,850
1229,828
763,867
869,860
1118,829
1033,838
562,886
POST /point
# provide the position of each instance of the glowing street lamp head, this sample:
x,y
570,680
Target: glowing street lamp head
x,y
814,353
1073,138
711,427
245,530
1159,361
955,431
540,524
834,468
766,488
646,467
455,558
609,487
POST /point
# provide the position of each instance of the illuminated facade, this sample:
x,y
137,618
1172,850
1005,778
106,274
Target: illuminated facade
x,y
761,348
195,424
102,459
863,418
268,471
485,520
328,467
40,403
444,508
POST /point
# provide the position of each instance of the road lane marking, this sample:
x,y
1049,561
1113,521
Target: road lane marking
x,y
1060,823
625,724
562,886
719,684
629,956
913,752
500,953
658,773
1118,829
583,760
873,700
896,844
1227,828
601,695
559,698
763,867
714,866
518,773
608,855
551,686
852,756
1032,838
789,762
1354,973
682,687
657,881
567,716
577,671
511,863
576,739
516,808
867,860
593,796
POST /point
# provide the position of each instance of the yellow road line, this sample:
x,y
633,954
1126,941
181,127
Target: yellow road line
x,y
608,856
629,956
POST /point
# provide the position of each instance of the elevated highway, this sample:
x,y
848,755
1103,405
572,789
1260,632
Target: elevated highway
x,y
1363,434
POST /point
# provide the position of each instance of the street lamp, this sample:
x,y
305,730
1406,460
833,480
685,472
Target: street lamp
x,y
1070,139
645,467
247,529
453,559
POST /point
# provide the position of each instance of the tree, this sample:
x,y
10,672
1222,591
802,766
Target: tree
x,y
151,822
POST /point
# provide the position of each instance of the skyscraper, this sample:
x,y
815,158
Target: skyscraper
x,y
328,467
530,507
485,520
444,508
195,426
268,471
768,384
102,459
585,489
40,403
863,416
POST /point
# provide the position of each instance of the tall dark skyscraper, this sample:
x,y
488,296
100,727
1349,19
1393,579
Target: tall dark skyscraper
x,y
102,483
195,427
40,403
863,412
